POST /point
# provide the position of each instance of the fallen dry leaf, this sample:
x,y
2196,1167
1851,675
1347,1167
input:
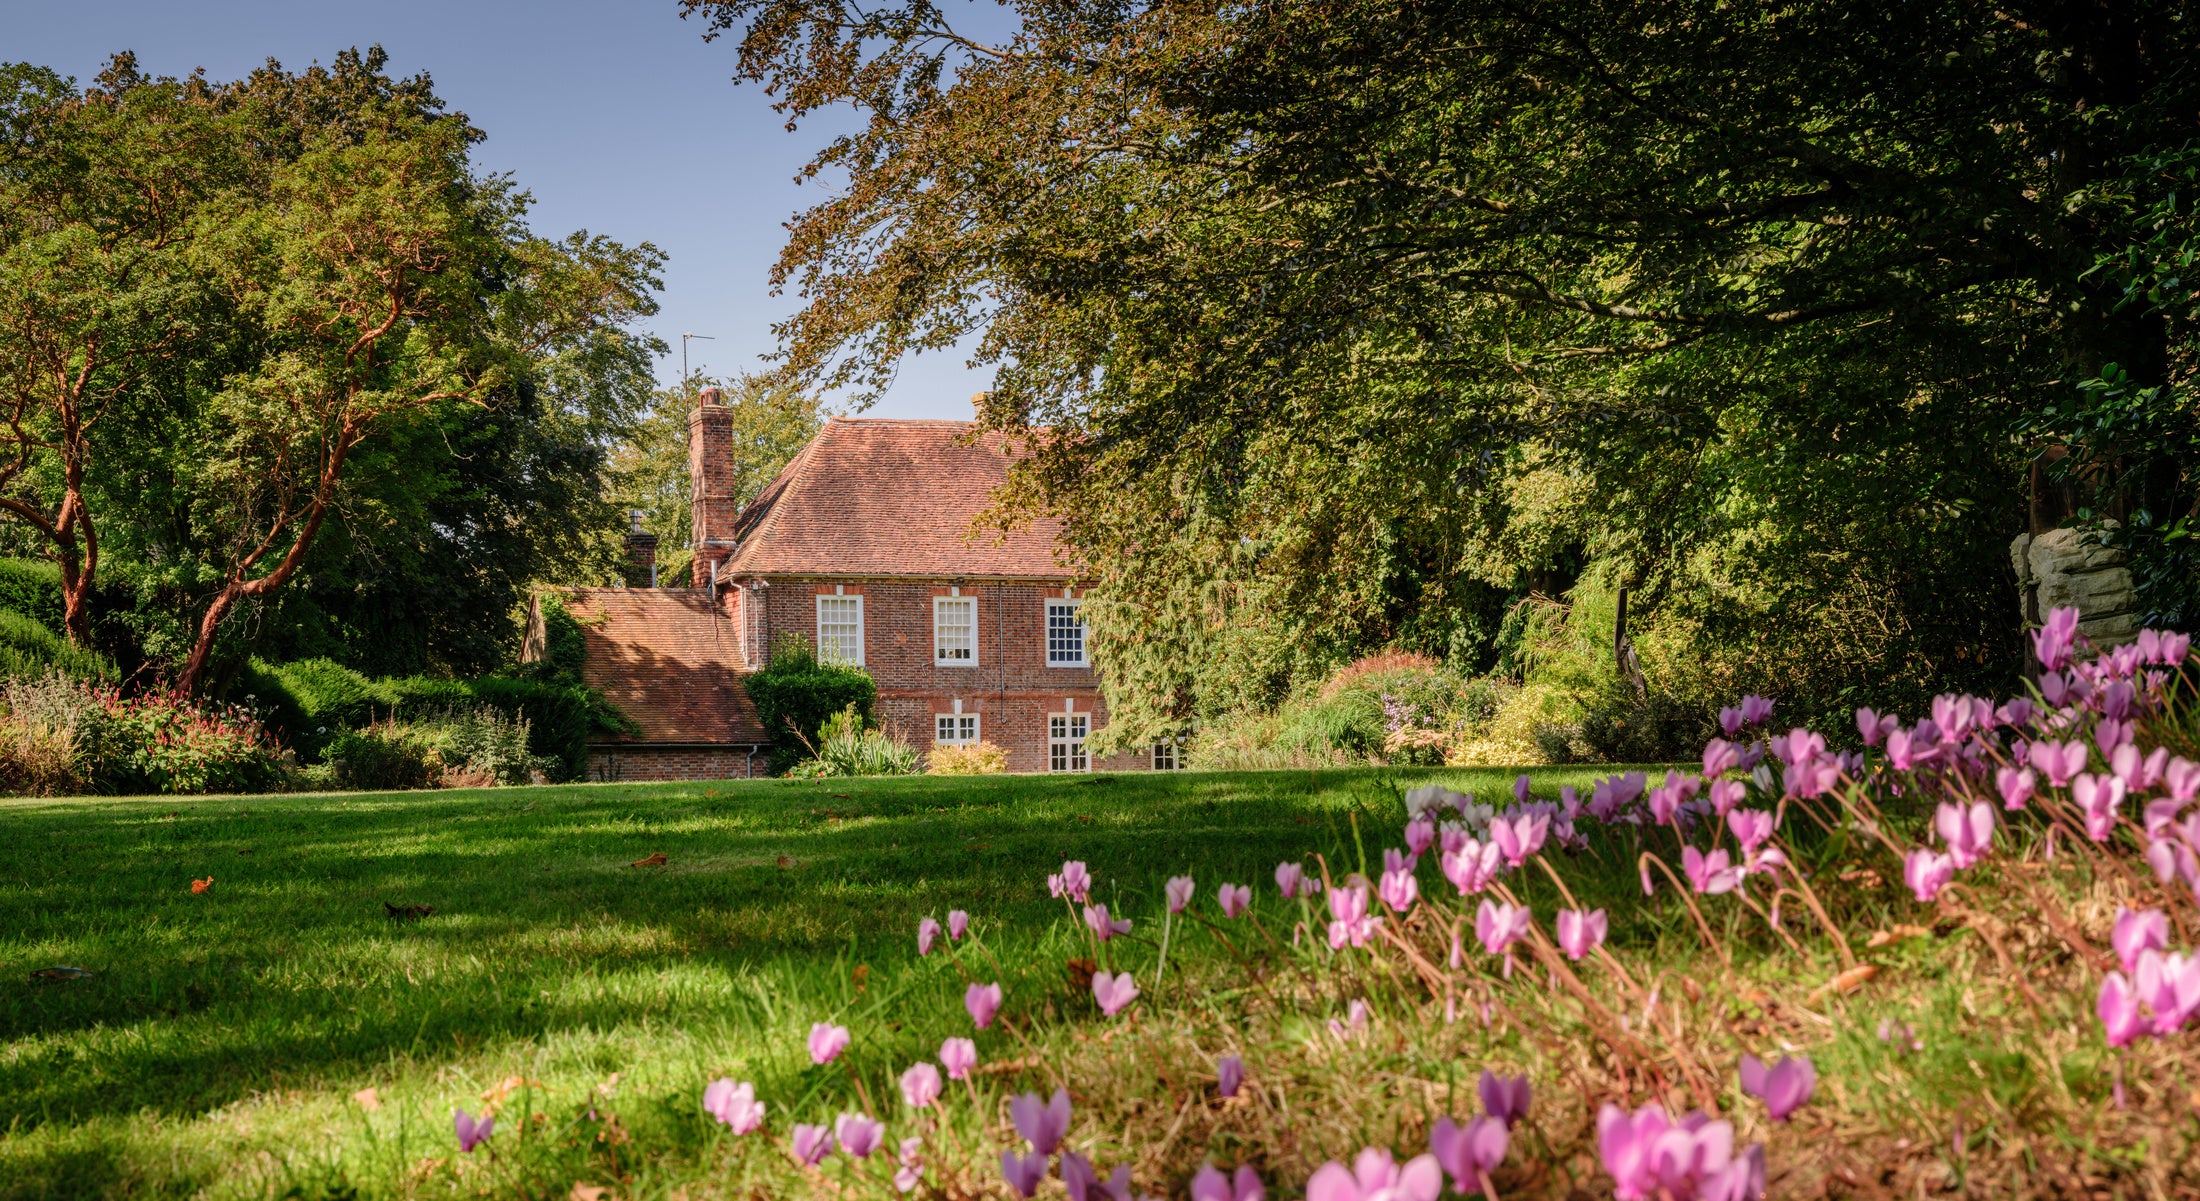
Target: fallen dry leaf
x,y
785,862
368,1099
862,976
199,886
583,1191
505,1087
1897,933
59,971
656,860
1845,983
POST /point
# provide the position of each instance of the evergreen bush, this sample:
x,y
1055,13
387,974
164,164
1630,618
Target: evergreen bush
x,y
795,695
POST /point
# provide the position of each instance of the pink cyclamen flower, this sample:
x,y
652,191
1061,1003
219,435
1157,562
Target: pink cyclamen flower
x,y
2145,930
1756,710
1710,874
1355,1020
1724,795
1784,1087
827,1041
2059,760
2182,776
1243,1185
859,1134
1649,1156
1969,832
1730,721
1041,1122
1114,993
1719,758
1500,926
2118,1008
811,1144
1376,1176
1752,828
911,1172
1178,893
1580,933
1927,873
2100,797
1396,860
1520,837
1398,889
1290,880
1421,834
1229,1074
1079,1178
1874,727
1504,1098
958,1056
1103,927
983,1001
1075,881
2052,642
927,931
472,1132
920,1085
1349,921
734,1104
2109,733
2016,785
1520,790
1024,1173
1469,1152
1471,868
958,923
1235,899
2170,986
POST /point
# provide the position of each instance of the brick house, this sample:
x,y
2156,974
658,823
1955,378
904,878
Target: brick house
x,y
863,544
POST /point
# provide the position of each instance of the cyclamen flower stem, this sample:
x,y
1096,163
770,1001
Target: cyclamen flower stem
x,y
1976,922
1810,901
1043,1061
1421,966
1775,927
1688,898
1162,967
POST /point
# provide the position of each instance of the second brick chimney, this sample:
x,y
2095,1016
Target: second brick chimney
x,y
710,467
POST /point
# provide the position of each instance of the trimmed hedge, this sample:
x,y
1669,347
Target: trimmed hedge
x,y
795,692
29,649
313,701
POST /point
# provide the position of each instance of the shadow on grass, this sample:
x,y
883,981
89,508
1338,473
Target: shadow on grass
x,y
288,972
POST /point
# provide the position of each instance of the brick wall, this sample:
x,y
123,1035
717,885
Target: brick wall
x,y
608,764
710,475
1010,686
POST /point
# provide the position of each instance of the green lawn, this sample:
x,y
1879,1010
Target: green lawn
x,y
216,1046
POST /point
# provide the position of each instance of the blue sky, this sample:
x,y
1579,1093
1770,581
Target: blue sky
x,y
617,116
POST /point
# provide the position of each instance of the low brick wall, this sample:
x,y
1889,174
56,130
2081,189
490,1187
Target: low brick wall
x,y
608,764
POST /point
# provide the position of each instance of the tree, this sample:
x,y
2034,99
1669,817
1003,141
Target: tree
x,y
391,286
96,193
1310,309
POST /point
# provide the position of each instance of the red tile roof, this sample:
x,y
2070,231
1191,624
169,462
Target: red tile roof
x,y
668,659
874,497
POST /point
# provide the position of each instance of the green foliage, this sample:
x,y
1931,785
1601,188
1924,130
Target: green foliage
x,y
848,746
460,747
314,701
383,756
280,471
565,646
966,759
795,695
28,648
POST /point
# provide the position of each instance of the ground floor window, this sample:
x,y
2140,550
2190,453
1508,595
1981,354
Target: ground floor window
x,y
1066,741
955,729
1168,755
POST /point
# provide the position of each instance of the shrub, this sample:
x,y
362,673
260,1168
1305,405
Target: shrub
x,y
482,746
849,746
967,759
51,721
28,648
163,742
795,695
382,756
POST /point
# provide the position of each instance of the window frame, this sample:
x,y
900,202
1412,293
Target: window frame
x,y
1173,747
977,729
1066,751
937,603
857,598
1084,656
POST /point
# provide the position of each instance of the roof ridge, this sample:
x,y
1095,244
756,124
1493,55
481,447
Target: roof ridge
x,y
796,473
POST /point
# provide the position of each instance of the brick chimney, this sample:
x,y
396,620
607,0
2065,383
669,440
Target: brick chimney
x,y
641,553
710,468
